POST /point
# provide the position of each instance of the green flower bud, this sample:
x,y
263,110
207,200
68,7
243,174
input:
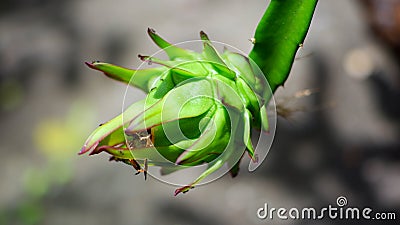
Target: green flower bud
x,y
200,109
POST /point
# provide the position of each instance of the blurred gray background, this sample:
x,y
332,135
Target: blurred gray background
x,y
343,140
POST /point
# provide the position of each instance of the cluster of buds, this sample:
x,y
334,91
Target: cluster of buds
x,y
200,109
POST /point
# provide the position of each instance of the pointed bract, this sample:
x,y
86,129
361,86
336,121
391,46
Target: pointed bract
x,y
200,108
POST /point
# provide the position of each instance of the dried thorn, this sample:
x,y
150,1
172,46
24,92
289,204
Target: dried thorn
x,y
151,30
143,57
183,189
135,164
204,36
144,170
252,40
149,142
146,166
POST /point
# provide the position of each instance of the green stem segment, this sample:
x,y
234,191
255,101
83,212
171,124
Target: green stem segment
x,y
278,36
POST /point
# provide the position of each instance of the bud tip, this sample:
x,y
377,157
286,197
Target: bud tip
x,y
204,36
151,30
